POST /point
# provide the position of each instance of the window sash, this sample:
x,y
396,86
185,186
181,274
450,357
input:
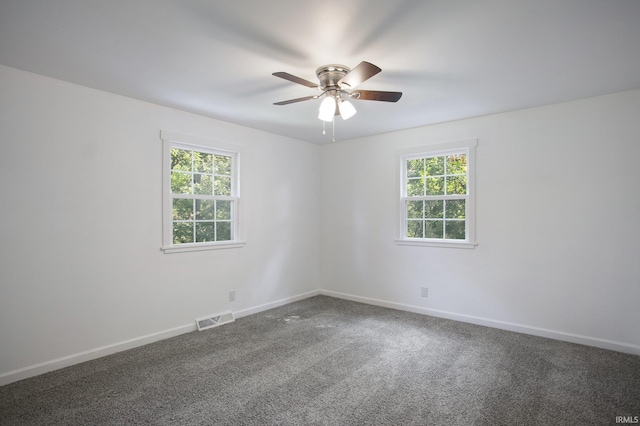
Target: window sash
x,y
214,220
406,219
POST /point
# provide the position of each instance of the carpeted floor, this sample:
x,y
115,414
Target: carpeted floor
x,y
335,362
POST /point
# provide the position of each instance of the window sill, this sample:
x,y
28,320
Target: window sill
x,y
203,246
434,243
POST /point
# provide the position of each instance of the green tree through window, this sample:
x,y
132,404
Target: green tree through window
x,y
436,193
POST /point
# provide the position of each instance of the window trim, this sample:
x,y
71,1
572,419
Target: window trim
x,y
468,147
173,140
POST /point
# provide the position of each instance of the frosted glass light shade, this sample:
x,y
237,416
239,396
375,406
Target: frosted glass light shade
x,y
347,110
327,109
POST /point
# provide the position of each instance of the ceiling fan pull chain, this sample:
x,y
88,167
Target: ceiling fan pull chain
x,y
323,131
333,124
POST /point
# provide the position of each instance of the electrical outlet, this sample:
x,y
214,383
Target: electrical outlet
x,y
232,296
424,292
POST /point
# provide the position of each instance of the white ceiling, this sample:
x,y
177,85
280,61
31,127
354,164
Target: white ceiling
x,y
452,59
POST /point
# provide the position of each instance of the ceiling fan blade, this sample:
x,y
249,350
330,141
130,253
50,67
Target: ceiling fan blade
x,y
295,79
291,101
362,72
376,95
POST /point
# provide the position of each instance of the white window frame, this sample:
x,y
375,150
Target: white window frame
x,y
192,143
467,147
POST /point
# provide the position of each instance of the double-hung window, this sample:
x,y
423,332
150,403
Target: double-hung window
x,y
437,195
201,197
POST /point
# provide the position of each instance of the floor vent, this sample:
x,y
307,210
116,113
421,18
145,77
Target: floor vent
x,y
214,320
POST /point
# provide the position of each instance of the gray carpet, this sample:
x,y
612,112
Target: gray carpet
x,y
334,362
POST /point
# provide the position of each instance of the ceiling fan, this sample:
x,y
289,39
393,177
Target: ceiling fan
x,y
336,84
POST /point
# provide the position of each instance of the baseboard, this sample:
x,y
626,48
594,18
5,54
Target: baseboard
x,y
45,367
277,303
519,328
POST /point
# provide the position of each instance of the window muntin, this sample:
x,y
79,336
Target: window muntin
x,y
202,192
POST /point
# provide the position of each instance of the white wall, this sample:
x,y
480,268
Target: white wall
x,y
80,218
558,203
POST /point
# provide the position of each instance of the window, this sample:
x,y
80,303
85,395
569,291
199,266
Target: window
x,y
201,199
437,195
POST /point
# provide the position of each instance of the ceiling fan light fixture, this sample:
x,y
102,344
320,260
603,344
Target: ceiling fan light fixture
x,y
327,109
347,110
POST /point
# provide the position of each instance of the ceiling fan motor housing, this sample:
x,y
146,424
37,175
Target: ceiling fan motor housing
x,y
330,75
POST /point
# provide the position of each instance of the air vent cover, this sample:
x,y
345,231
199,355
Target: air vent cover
x,y
214,320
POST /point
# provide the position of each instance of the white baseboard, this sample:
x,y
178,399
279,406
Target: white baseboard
x,y
277,303
520,328
55,364
66,361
